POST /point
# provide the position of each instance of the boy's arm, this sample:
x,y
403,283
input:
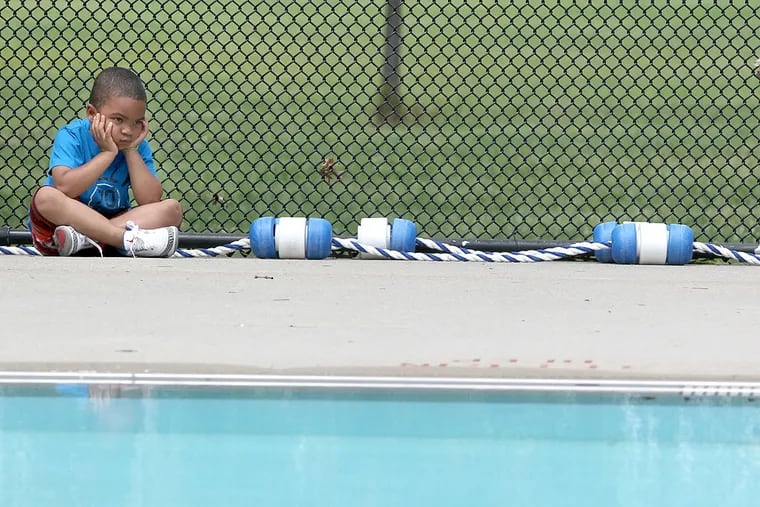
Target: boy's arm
x,y
145,186
73,183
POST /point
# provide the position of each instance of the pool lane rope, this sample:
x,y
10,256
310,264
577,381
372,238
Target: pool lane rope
x,y
311,238
450,252
454,253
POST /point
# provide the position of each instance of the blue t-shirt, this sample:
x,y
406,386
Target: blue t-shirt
x,y
74,146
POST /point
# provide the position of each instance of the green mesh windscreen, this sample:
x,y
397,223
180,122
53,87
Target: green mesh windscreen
x,y
473,119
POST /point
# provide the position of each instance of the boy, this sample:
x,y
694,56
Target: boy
x,y
94,162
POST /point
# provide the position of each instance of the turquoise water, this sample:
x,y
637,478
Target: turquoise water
x,y
172,447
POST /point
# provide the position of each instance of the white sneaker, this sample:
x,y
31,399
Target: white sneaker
x,y
160,242
70,241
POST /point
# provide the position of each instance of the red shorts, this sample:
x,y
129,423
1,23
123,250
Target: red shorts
x,y
42,230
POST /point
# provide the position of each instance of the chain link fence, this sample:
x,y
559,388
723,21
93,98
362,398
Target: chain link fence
x,y
473,119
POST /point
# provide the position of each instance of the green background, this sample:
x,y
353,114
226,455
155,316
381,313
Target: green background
x,y
519,120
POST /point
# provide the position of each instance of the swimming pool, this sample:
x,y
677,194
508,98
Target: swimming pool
x,y
245,441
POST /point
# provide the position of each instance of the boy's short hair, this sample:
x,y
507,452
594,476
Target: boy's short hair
x,y
117,82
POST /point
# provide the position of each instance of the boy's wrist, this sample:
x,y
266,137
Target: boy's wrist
x,y
129,148
110,154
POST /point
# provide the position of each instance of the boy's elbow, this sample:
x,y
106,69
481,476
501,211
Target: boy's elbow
x,y
62,182
65,188
149,196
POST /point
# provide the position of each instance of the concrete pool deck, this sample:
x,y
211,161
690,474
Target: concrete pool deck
x,y
560,320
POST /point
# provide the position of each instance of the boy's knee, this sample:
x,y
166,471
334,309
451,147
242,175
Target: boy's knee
x,y
174,211
47,198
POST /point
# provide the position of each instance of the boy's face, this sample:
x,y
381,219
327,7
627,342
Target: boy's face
x,y
127,116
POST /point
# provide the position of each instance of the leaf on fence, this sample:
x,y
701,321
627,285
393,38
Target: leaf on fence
x,y
328,171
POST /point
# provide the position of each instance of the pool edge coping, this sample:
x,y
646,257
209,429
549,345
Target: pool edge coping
x,y
591,385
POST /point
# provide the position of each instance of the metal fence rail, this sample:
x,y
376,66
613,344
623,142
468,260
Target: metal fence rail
x,y
474,119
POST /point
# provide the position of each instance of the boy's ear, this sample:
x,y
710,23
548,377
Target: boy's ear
x,y
90,111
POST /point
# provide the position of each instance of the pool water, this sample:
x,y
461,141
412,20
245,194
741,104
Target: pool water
x,y
139,446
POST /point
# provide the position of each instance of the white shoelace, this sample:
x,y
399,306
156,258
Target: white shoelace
x,y
95,244
132,227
